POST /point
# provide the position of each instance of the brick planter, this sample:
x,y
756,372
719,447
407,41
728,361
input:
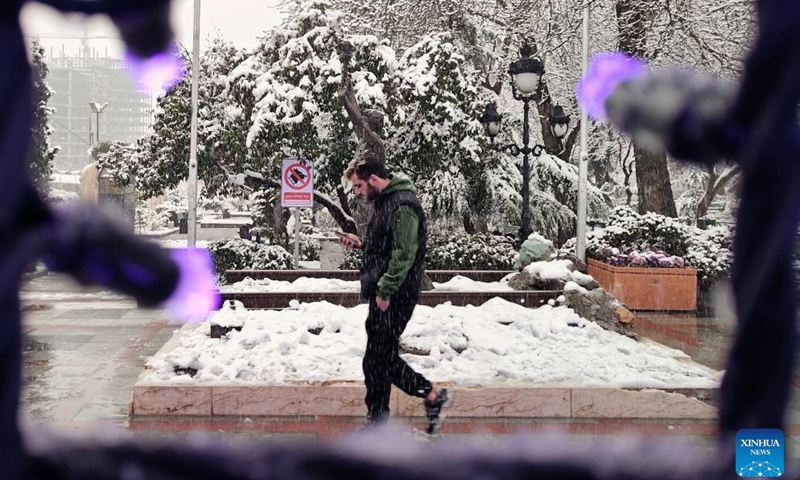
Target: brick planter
x,y
280,300
648,288
440,276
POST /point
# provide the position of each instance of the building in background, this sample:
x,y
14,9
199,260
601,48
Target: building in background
x,y
80,80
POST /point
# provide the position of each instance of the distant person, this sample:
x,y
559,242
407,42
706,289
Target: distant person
x,y
90,183
391,272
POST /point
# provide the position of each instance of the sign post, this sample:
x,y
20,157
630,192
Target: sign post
x,y
297,191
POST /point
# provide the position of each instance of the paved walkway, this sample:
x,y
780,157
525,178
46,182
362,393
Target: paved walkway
x,y
84,350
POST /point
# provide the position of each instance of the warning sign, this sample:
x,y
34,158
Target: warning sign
x,y
297,183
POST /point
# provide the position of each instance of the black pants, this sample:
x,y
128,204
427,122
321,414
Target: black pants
x,y
382,363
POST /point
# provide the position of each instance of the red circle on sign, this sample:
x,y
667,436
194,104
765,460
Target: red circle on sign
x,y
297,176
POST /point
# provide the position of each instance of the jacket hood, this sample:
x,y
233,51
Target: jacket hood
x,y
399,182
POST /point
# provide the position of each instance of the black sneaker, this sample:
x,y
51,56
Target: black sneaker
x,y
433,409
371,423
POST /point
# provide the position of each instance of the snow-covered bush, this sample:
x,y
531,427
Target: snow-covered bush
x,y
151,216
309,247
176,203
711,253
352,259
652,240
470,252
456,252
627,229
240,254
629,257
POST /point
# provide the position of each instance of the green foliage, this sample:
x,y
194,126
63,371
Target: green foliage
x,y
280,100
160,161
99,149
119,159
309,248
711,253
435,119
295,75
470,252
456,252
240,254
352,259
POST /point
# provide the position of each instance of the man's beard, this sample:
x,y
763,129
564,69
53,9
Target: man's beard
x,y
370,193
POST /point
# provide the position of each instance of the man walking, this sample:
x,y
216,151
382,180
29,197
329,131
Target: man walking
x,y
391,273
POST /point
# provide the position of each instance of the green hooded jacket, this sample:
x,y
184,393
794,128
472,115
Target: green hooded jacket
x,y
405,240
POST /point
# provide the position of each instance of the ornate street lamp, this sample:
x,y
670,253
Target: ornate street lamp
x,y
559,122
491,121
526,74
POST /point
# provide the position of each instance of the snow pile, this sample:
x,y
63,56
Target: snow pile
x,y
496,343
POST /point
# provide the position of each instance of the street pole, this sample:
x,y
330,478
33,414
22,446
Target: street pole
x,y
583,162
525,228
297,239
97,121
192,182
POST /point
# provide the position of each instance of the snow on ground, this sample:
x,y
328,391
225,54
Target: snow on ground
x,y
182,243
56,296
497,342
161,232
226,221
304,284
66,178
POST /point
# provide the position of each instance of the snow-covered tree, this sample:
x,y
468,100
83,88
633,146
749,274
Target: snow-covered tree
x,y
702,185
434,134
711,35
161,160
40,152
285,99
297,112
122,161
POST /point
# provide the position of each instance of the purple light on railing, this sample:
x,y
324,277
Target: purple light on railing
x,y
196,294
157,73
606,71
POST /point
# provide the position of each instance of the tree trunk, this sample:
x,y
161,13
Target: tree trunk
x,y
344,220
652,175
714,186
652,178
601,169
469,227
627,170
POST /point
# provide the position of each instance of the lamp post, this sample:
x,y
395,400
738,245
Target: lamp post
x,y
97,109
525,81
559,123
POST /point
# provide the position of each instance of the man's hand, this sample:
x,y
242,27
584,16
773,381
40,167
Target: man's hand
x,y
382,304
348,240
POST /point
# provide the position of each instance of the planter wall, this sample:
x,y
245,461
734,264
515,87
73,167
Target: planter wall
x,y
279,300
648,288
440,276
